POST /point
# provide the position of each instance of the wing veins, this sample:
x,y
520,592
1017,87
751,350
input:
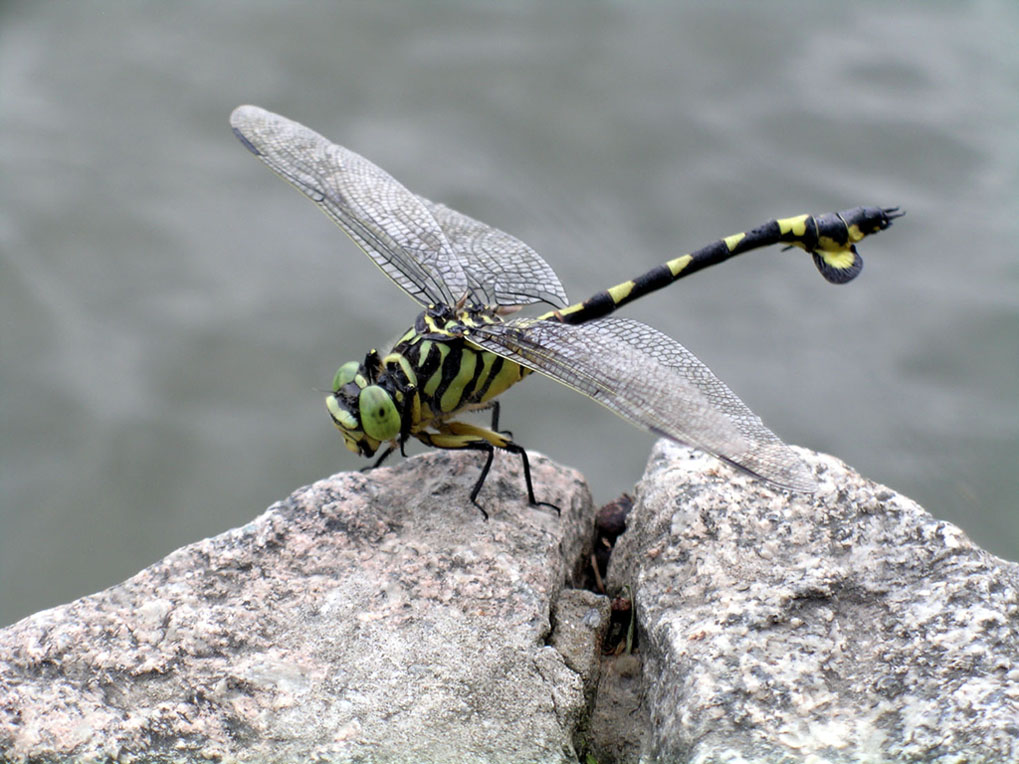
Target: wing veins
x,y
652,381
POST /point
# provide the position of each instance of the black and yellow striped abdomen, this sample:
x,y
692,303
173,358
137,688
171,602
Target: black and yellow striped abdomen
x,y
829,238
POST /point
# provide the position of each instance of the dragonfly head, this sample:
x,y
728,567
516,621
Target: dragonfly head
x,y
363,412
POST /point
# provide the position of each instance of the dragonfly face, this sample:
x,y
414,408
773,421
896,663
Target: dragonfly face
x,y
427,378
365,414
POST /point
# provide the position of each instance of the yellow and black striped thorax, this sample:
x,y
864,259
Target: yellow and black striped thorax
x,y
446,370
431,373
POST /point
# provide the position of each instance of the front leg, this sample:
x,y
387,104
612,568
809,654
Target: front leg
x,y
382,457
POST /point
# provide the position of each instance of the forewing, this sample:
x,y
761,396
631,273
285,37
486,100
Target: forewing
x,y
654,382
501,269
391,224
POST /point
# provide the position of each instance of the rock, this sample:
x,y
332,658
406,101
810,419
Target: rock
x,y
846,626
378,617
580,620
619,721
367,617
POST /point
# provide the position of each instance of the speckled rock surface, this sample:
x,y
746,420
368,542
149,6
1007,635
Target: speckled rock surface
x,y
847,626
579,623
368,617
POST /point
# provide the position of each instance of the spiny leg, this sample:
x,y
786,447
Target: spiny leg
x,y
453,435
489,449
382,457
494,406
515,448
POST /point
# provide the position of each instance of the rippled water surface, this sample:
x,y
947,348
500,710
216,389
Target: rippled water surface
x,y
169,308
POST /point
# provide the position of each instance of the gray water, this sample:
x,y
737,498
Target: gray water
x,y
169,309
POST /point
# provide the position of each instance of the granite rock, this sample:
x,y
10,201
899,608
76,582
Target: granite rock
x,y
378,617
844,626
367,617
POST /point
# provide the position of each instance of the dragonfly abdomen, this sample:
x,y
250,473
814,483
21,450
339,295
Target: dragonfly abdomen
x,y
829,238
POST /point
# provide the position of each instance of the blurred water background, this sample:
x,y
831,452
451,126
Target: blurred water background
x,y
168,308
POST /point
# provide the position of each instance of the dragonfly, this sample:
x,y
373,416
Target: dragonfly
x,y
467,346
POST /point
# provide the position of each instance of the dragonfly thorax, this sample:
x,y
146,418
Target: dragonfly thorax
x,y
432,373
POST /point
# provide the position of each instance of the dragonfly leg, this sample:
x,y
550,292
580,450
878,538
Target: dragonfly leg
x,y
378,462
495,421
462,435
494,406
490,450
515,448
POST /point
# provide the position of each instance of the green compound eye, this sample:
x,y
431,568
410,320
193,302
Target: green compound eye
x,y
379,416
344,374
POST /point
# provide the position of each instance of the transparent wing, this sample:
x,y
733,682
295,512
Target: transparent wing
x,y
501,269
388,222
654,382
432,252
